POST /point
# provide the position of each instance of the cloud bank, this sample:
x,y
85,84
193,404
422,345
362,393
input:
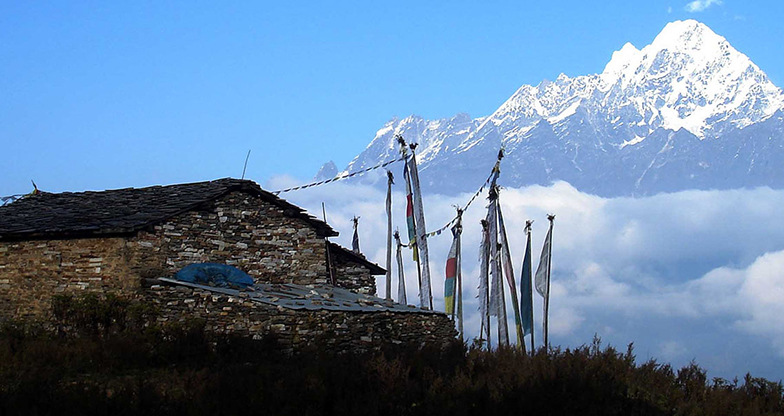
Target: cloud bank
x,y
688,275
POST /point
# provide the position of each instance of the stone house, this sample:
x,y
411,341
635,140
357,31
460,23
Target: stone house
x,y
113,241
353,271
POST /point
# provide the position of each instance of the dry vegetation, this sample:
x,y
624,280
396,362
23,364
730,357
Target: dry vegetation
x,y
108,357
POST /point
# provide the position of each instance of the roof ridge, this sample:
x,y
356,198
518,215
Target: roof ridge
x,y
126,210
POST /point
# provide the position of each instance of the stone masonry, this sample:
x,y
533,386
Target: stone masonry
x,y
353,270
238,230
294,329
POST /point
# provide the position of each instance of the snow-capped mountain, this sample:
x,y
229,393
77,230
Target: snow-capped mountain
x,y
328,170
687,111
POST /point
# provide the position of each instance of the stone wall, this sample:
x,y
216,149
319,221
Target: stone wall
x,y
297,329
32,271
352,275
238,229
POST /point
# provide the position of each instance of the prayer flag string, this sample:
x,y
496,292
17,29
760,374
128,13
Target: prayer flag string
x,y
339,177
454,220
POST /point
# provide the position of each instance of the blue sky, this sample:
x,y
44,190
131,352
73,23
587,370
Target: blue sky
x,y
98,96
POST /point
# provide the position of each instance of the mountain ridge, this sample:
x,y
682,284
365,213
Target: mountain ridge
x,y
673,115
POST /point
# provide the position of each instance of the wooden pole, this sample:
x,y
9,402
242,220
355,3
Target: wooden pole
x,y
506,257
459,274
245,166
550,218
489,283
486,255
419,273
420,233
502,313
390,181
326,242
530,283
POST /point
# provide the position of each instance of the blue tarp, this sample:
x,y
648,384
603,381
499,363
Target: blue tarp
x,y
213,274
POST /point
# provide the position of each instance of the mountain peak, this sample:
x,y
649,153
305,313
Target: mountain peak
x,y
685,32
621,60
695,42
687,77
688,36
328,171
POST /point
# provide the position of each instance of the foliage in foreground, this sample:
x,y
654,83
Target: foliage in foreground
x,y
109,357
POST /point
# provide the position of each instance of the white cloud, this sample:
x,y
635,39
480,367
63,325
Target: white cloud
x,y
762,298
700,5
646,270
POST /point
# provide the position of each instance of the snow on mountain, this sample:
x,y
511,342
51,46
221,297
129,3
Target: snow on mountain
x,y
690,78
328,171
665,117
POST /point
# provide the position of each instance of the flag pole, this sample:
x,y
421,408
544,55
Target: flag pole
x,y
419,276
401,279
421,229
410,221
503,329
497,301
459,274
390,181
496,287
326,244
484,281
551,218
507,262
529,295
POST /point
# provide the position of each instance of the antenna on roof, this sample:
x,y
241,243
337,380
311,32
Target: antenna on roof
x,y
246,164
326,241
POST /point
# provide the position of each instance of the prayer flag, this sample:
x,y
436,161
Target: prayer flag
x,y
355,240
509,272
410,213
542,280
401,279
425,294
483,292
451,276
526,292
543,271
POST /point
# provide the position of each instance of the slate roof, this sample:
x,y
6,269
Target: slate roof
x,y
339,250
124,211
310,297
